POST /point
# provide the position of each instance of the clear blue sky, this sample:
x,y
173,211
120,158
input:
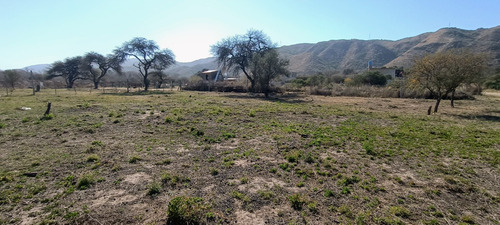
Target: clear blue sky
x,y
44,31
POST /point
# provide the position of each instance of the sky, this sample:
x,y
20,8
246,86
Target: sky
x,y
44,31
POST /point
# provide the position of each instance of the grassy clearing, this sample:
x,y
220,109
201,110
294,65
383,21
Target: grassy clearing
x,y
170,157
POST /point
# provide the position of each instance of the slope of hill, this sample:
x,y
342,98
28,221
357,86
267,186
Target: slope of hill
x,y
337,55
355,54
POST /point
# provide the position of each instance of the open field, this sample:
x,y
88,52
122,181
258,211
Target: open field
x,y
165,157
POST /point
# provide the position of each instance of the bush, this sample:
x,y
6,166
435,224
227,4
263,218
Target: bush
x,y
368,78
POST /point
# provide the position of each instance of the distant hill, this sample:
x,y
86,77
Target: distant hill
x,y
337,55
39,68
182,69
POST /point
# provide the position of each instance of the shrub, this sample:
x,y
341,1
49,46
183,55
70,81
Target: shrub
x,y
2,125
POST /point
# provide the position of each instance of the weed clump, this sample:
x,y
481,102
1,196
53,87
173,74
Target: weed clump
x,y
47,116
329,193
85,182
154,189
400,211
187,210
297,201
134,159
93,158
167,178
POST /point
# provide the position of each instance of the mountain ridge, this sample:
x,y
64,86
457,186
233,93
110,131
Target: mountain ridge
x,y
338,55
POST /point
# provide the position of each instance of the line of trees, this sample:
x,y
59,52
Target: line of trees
x,y
253,54
94,66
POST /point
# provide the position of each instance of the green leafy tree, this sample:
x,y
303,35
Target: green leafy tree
x,y
442,73
98,66
69,69
236,52
267,66
148,54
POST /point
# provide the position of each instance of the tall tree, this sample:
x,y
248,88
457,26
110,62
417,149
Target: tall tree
x,y
69,69
236,52
148,54
442,73
267,66
98,66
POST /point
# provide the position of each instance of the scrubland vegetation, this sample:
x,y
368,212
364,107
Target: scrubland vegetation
x,y
183,157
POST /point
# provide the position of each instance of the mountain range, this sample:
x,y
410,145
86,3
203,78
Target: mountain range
x,y
337,55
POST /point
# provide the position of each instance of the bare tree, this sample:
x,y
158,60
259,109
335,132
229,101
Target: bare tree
x,y
236,52
148,55
97,66
442,73
10,78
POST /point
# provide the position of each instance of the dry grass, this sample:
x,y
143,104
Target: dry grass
x,y
236,158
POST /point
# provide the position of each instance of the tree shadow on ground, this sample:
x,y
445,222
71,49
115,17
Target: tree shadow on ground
x,y
139,93
285,98
480,117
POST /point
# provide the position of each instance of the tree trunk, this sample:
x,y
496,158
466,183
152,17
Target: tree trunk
x,y
437,104
252,81
146,83
96,84
453,99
